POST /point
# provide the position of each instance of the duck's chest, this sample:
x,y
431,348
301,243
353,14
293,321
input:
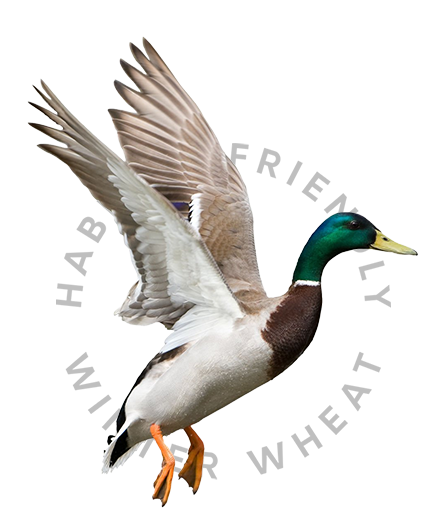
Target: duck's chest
x,y
290,328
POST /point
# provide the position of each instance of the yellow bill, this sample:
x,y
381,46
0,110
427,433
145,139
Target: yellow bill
x,y
383,243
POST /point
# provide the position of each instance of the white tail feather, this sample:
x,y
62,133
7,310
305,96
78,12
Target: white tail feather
x,y
108,469
107,457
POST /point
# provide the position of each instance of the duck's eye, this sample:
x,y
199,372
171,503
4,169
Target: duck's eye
x,y
353,224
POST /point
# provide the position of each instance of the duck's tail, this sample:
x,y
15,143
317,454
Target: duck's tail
x,y
120,448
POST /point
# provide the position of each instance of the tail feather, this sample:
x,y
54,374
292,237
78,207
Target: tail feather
x,y
120,449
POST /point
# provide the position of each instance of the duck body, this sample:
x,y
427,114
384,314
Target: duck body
x,y
199,379
206,376
184,212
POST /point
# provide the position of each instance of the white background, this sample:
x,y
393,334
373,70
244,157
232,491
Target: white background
x,y
354,91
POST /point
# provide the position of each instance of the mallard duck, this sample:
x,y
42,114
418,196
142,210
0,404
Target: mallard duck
x,y
183,210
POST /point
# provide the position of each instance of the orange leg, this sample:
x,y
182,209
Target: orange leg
x,y
163,483
192,470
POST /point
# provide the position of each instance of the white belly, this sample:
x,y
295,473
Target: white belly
x,y
211,374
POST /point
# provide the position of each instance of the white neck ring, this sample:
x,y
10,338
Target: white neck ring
x,y
301,282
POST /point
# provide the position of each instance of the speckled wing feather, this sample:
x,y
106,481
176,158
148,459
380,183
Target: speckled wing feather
x,y
175,270
168,142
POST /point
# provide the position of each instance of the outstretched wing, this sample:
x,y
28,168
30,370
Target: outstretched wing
x,y
169,143
176,270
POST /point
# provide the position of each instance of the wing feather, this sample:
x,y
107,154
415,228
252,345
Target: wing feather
x,y
168,142
175,270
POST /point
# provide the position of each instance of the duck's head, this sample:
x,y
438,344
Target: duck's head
x,y
341,232
346,231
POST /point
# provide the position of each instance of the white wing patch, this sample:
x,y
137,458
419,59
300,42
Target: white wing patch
x,y
196,210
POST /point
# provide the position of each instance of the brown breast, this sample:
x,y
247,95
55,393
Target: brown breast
x,y
291,327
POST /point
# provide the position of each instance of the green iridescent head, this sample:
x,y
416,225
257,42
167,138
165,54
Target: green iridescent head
x,y
341,232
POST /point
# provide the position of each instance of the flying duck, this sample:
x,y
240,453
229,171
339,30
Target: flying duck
x,y
184,213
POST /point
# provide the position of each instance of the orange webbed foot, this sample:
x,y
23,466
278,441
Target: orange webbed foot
x,y
162,485
193,468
